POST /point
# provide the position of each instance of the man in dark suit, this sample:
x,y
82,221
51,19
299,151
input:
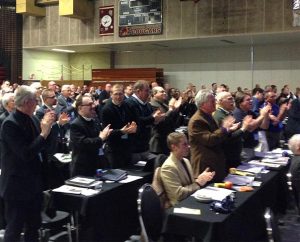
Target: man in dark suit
x,y
54,174
8,103
292,126
23,139
64,102
145,117
87,139
233,146
206,137
117,113
58,130
160,131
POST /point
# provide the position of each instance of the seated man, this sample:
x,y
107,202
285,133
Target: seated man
x,y
176,172
294,145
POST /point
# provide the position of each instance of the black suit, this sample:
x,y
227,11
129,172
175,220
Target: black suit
x,y
55,172
118,150
86,143
65,105
160,131
21,183
2,117
2,222
145,120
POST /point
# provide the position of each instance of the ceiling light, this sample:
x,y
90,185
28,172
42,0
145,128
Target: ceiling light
x,y
62,50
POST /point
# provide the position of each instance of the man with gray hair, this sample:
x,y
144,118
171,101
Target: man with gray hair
x,y
64,102
160,131
145,118
23,139
233,147
206,137
294,145
8,103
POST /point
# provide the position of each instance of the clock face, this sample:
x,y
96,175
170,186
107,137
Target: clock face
x,y
106,20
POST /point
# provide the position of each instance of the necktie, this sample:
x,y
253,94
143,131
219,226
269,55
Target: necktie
x,y
187,171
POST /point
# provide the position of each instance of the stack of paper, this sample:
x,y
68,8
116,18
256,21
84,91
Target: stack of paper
x,y
259,163
63,158
280,151
215,193
250,168
76,190
281,160
239,180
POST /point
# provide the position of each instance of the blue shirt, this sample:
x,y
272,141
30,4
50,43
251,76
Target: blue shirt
x,y
275,111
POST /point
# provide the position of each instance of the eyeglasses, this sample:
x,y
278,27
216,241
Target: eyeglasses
x,y
52,97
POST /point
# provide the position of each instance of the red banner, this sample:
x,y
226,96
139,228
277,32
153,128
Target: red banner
x,y
106,23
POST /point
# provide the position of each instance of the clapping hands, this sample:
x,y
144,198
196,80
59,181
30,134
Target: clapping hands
x,y
105,132
129,128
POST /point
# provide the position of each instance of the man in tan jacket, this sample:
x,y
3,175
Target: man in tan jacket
x,y
206,137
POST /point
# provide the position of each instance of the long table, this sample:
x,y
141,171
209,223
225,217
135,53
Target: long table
x,y
245,223
111,215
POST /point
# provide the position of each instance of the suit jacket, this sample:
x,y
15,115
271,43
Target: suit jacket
x,y
56,134
293,123
206,140
64,105
145,121
177,183
233,146
118,117
160,131
295,171
3,116
22,150
85,142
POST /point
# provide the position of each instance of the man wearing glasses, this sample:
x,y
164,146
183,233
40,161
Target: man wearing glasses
x,y
117,113
87,139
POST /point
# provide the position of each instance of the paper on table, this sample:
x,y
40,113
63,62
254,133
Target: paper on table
x,y
267,154
280,151
280,160
215,193
76,190
141,163
130,178
250,168
264,164
184,210
239,180
83,180
63,158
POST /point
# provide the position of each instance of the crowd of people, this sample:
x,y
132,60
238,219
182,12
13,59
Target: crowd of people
x,y
117,126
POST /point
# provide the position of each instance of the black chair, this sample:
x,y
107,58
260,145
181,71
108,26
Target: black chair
x,y
150,213
57,227
272,226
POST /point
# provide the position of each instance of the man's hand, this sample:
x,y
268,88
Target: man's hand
x,y
205,176
246,124
129,128
178,103
46,123
105,133
63,119
266,110
158,116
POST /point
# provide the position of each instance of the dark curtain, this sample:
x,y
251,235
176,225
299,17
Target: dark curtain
x,y
10,41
